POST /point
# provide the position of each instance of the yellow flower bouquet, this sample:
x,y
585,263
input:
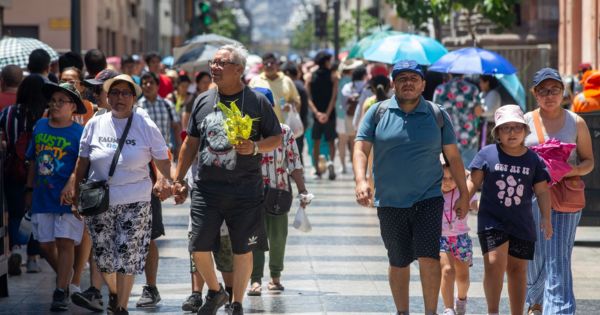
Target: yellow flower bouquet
x,y
237,125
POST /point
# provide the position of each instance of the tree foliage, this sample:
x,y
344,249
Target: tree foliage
x,y
226,25
348,27
418,12
303,36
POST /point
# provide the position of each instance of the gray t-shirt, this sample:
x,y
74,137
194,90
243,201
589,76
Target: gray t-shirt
x,y
222,173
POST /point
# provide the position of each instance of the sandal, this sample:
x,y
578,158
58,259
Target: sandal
x,y
275,286
255,290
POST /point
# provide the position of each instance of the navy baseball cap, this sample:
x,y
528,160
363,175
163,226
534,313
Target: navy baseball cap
x,y
546,74
407,66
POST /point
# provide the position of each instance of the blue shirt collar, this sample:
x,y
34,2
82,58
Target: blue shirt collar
x,y
421,108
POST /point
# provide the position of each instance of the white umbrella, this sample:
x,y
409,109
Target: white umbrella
x,y
16,50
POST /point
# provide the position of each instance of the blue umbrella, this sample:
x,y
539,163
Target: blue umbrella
x,y
424,50
167,61
473,61
513,87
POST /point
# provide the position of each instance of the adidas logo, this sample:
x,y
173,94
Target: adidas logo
x,y
252,240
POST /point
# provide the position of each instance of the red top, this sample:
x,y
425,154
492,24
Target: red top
x,y
7,98
165,86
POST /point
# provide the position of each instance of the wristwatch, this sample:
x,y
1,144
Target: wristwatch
x,y
255,148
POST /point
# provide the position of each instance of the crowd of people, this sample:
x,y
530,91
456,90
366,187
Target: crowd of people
x,y
155,133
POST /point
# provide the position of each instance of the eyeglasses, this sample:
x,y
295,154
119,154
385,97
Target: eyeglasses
x,y
508,128
116,93
546,92
59,103
148,83
219,63
404,80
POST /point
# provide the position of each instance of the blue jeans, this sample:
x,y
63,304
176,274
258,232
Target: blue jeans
x,y
549,276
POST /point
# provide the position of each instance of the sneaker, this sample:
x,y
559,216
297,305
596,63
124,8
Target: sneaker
x,y
193,302
113,302
460,306
149,298
121,311
448,311
90,299
14,264
331,170
32,266
213,301
237,309
534,309
60,301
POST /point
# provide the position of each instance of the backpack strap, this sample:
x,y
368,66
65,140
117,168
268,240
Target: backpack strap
x,y
437,112
434,108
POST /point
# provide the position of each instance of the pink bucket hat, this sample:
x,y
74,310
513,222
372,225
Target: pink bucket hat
x,y
508,113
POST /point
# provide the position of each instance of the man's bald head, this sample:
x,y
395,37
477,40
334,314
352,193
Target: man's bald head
x,y
11,76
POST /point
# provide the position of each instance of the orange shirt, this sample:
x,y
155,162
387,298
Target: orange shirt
x,y
82,119
582,104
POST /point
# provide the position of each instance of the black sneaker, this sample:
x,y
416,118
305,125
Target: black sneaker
x,y
121,311
113,303
149,298
14,264
193,302
60,301
90,299
331,171
213,301
237,309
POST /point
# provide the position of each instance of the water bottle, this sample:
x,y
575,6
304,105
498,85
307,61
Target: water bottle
x,y
25,227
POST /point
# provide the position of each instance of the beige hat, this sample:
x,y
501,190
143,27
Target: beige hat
x,y
350,64
125,78
508,113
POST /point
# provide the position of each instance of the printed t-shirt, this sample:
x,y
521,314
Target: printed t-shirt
x,y
131,180
54,153
222,173
507,190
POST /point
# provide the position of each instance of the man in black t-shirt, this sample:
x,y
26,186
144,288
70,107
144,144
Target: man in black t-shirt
x,y
322,93
228,185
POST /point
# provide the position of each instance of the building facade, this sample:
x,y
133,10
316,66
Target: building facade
x,y
114,26
579,34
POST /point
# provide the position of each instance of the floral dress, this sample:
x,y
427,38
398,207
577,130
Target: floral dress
x,y
459,98
277,164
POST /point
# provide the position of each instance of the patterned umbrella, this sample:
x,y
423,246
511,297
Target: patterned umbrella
x,y
16,50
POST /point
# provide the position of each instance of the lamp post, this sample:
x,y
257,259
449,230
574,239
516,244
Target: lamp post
x,y
76,26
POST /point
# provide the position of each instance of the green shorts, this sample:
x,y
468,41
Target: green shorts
x,y
223,257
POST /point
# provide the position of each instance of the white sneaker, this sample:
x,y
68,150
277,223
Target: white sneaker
x,y
32,266
460,306
448,311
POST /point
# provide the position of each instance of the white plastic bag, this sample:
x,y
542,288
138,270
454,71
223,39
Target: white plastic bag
x,y
293,120
301,220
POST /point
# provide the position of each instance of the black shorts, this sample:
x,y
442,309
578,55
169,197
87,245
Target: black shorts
x,y
242,219
158,227
327,129
411,233
518,248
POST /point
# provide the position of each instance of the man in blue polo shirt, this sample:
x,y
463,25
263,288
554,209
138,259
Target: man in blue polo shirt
x,y
407,141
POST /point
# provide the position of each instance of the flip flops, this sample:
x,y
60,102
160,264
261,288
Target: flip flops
x,y
255,290
275,286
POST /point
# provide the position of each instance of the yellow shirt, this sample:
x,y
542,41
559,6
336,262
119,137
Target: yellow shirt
x,y
282,87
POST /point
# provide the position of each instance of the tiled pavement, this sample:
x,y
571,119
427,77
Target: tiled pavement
x,y
340,267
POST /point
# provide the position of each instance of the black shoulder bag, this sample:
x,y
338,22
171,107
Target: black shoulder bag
x,y
94,195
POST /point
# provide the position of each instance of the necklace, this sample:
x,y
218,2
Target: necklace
x,y
218,99
449,220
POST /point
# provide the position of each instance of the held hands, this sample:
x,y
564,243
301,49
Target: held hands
x,y
364,195
546,226
244,147
162,189
462,206
67,195
179,189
